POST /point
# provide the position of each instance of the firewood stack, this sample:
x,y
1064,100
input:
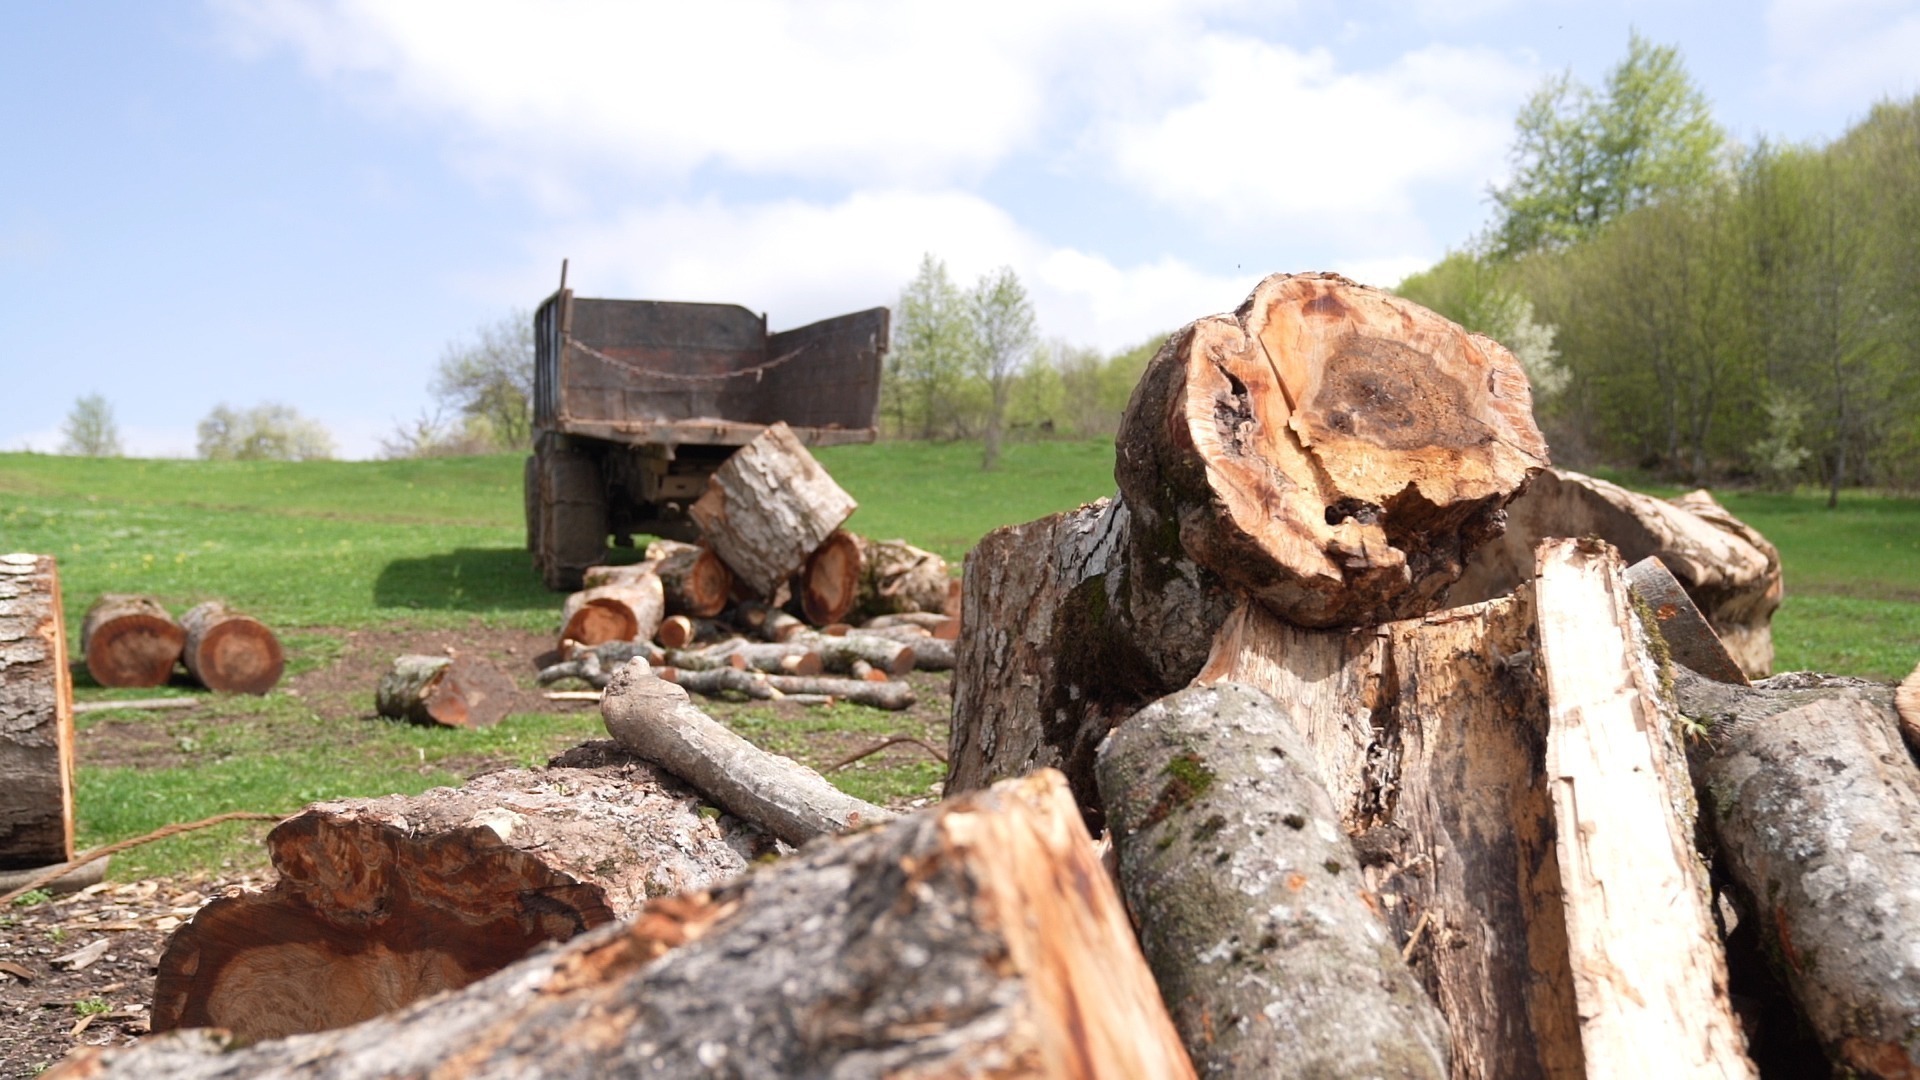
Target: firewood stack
x,y
1357,833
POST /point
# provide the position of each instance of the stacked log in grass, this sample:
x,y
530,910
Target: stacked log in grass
x,y
230,651
130,640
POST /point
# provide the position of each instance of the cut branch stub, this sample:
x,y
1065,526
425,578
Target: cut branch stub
x,y
1331,448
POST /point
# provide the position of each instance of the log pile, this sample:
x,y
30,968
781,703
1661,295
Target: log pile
x,y
456,691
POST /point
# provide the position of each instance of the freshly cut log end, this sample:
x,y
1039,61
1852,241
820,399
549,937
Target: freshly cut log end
x,y
231,652
899,578
130,641
828,584
1331,448
384,901
459,691
36,717
626,611
977,938
697,582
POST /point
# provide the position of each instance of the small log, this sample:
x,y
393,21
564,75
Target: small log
x,y
1270,954
863,670
780,626
588,669
768,507
978,938
893,696
929,653
630,611
230,652
36,717
897,578
459,691
696,581
1812,800
130,641
680,631
1332,449
774,658
828,584
654,719
594,577
384,901
935,623
1648,970
1731,571
839,653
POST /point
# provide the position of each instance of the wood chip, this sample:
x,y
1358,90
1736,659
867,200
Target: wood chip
x,y
24,974
81,959
81,1024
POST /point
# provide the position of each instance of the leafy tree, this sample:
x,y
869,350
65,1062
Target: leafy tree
x,y
90,430
432,435
1003,326
1474,292
934,353
488,380
1582,158
266,432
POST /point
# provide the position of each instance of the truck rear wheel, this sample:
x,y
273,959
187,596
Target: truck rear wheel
x,y
572,532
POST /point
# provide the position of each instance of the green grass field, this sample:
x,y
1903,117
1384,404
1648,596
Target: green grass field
x,y
324,549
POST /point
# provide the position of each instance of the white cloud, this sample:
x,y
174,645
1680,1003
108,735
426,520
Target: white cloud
x,y
1850,51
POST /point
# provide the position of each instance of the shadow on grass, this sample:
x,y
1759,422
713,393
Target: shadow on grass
x,y
465,579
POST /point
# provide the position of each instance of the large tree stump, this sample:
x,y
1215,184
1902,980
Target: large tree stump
x,y
978,938
130,641
384,901
1813,803
697,582
36,717
624,611
231,652
768,507
1272,958
1332,449
898,578
1731,571
458,691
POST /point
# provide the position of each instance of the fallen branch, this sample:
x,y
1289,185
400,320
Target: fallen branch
x,y
136,703
893,696
882,745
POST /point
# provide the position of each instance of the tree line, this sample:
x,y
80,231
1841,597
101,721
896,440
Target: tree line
x,y
1698,309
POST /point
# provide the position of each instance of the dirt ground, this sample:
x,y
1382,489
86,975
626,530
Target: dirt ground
x,y
78,969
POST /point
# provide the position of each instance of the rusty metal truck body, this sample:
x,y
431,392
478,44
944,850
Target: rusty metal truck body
x,y
637,402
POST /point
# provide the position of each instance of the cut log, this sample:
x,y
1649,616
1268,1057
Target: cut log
x,y
623,574
774,658
1813,802
978,938
230,652
130,641
780,626
839,653
1649,974
458,691
893,696
680,631
1731,571
36,717
935,623
768,507
1271,956
1330,448
654,719
697,583
828,584
898,578
628,611
384,901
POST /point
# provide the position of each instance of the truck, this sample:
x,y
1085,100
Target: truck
x,y
637,402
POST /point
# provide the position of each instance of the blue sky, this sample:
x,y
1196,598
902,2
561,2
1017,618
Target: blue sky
x,y
305,202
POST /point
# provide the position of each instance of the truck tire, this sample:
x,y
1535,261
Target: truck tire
x,y
530,491
573,533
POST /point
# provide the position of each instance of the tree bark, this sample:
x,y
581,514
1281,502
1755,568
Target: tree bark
x,y
653,718
978,938
1273,961
768,507
937,623
1731,571
893,696
1649,973
628,611
839,652
1812,801
458,691
230,652
130,641
898,578
36,717
381,902
828,583
697,582
1329,448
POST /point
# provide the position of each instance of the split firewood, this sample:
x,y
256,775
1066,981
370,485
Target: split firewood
x,y
1731,571
935,623
828,584
768,507
36,717
1650,977
979,937
896,577
1906,702
839,653
1812,800
231,652
654,719
627,611
381,902
696,581
893,696
458,691
1330,448
130,641
680,631
1262,940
